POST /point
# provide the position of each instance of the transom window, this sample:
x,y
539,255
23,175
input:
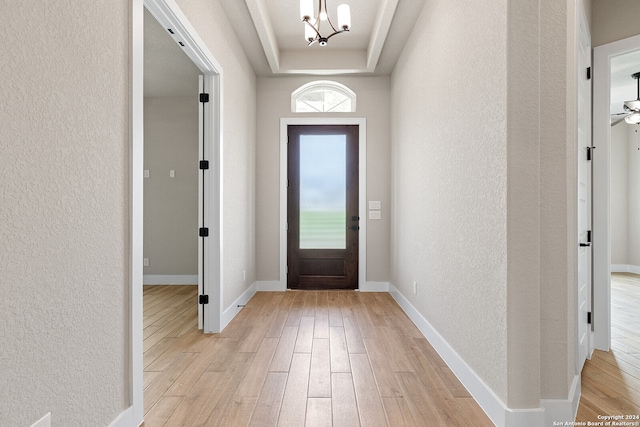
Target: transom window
x,y
323,96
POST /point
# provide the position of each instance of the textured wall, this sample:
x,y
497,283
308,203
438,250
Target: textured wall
x,y
171,204
64,212
274,102
558,174
620,156
484,198
238,143
613,20
449,135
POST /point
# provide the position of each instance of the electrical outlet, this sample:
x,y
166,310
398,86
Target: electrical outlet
x,y
145,262
244,275
415,287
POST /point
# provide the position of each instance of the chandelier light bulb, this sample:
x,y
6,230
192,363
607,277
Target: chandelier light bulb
x,y
309,32
306,9
344,17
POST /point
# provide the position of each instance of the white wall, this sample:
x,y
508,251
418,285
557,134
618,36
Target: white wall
x,y
238,143
484,190
620,194
274,102
64,211
171,204
634,195
450,180
625,198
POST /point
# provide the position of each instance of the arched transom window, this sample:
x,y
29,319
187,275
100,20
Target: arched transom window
x,y
323,96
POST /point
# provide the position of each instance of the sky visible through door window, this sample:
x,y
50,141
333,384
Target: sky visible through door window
x,y
323,191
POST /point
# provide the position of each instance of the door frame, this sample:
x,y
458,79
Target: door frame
x,y
361,122
602,56
169,15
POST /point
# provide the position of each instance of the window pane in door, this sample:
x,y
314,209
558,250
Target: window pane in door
x,y
323,202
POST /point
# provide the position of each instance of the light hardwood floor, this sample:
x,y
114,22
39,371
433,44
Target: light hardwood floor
x,y
296,358
611,380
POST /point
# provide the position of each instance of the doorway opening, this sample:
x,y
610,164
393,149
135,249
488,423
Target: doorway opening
x,y
604,58
323,212
169,15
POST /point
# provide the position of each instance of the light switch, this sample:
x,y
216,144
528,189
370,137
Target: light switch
x,y
374,204
172,173
146,173
374,215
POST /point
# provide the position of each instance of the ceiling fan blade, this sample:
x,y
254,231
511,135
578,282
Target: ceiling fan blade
x,y
632,105
616,121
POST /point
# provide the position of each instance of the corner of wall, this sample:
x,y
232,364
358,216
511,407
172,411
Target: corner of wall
x,y
232,310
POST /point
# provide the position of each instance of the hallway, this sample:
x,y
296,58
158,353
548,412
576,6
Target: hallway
x,y
313,358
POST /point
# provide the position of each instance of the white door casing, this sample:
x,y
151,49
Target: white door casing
x,y
584,156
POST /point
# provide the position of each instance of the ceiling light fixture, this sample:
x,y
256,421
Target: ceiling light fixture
x,y
633,107
312,25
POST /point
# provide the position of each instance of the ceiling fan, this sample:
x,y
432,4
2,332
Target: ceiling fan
x,y
631,113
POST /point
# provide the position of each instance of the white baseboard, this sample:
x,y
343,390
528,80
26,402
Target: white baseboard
x,y
375,287
496,410
625,268
271,286
230,312
125,419
562,410
44,421
170,279
277,286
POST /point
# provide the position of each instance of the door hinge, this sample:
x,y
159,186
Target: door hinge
x,y
203,299
204,97
588,73
589,151
588,236
203,232
589,317
204,164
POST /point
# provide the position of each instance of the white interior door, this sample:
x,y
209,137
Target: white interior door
x,y
584,194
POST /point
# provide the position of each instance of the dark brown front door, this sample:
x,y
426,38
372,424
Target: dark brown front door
x,y
322,211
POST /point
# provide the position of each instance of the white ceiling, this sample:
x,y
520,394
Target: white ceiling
x,y
272,35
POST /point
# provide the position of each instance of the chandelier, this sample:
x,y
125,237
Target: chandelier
x,y
312,25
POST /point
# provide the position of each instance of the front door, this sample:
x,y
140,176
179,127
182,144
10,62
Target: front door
x,y
322,209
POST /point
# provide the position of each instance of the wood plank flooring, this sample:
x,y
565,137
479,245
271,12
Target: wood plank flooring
x,y
611,380
296,358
